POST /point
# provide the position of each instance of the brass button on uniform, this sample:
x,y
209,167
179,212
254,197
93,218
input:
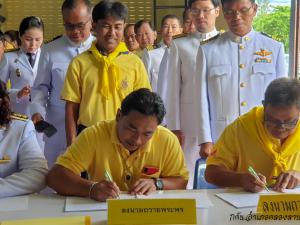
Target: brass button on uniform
x,y
242,66
243,103
241,47
247,38
242,85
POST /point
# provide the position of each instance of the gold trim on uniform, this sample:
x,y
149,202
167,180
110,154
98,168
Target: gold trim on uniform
x,y
210,39
263,53
18,116
5,159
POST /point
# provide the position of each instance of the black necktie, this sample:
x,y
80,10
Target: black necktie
x,y
31,58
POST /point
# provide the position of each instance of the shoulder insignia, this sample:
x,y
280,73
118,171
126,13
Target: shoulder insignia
x,y
11,50
267,35
17,116
179,36
210,39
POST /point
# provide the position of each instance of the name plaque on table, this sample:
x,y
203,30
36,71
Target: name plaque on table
x,y
277,206
152,211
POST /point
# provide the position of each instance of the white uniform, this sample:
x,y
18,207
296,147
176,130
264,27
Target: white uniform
x,y
20,73
179,76
23,167
152,60
233,73
46,100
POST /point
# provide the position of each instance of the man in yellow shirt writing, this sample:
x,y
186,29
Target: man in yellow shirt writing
x,y
266,138
100,78
140,155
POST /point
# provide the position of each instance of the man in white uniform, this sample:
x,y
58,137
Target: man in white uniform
x,y
52,70
170,26
233,71
180,77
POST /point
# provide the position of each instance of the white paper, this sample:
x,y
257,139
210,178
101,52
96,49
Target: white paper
x,y
202,201
17,203
73,204
244,199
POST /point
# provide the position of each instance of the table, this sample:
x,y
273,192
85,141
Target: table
x,y
52,205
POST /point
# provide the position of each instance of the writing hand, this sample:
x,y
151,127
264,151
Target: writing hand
x,y
104,190
250,183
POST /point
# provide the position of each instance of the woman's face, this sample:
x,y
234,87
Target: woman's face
x,y
32,40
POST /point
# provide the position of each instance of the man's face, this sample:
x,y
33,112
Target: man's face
x,y
145,36
169,28
239,16
188,25
204,15
135,129
129,38
280,122
109,33
77,23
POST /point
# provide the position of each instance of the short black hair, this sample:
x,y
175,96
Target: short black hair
x,y
2,37
5,109
216,3
30,22
145,102
138,24
170,16
13,35
283,92
127,27
229,1
108,8
72,4
184,13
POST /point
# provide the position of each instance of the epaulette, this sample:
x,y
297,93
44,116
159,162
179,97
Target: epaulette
x,y
210,39
267,35
11,50
179,36
17,116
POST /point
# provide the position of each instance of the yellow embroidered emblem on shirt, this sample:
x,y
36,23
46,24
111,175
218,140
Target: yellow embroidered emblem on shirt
x,y
124,84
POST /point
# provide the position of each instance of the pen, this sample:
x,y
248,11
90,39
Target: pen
x,y
252,171
109,178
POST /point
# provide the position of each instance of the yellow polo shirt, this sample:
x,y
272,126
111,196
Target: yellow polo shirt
x,y
237,150
98,149
82,86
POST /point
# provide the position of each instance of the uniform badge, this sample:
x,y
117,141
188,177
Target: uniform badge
x,y
124,84
18,72
263,53
5,159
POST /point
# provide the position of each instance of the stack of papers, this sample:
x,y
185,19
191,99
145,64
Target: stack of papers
x,y
74,204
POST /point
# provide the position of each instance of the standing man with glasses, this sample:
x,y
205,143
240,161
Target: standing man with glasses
x,y
267,138
233,72
100,78
176,81
46,102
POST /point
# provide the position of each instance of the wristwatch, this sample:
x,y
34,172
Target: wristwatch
x,y
159,184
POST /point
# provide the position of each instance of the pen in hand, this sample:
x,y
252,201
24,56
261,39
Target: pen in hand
x,y
109,178
252,171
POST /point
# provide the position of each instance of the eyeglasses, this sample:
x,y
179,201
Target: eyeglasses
x,y
285,125
205,11
231,12
78,26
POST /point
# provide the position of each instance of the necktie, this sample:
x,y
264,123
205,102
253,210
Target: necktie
x,y
31,58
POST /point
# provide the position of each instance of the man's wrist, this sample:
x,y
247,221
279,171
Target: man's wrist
x,y
91,189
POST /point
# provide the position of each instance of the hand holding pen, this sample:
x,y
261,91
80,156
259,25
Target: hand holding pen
x,y
103,190
253,182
